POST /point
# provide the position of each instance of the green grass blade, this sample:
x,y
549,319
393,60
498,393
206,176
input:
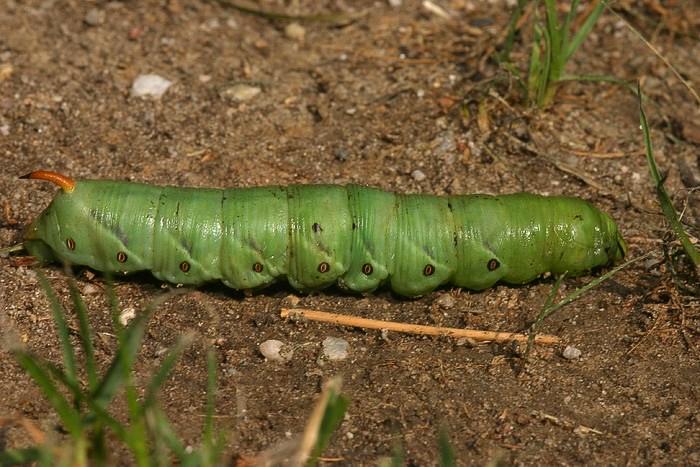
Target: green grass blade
x,y
555,290
148,430
208,441
554,62
553,29
578,293
536,71
85,339
534,329
12,249
69,416
397,456
164,432
93,421
566,27
600,78
552,47
60,376
136,438
545,82
136,434
26,456
165,368
504,54
115,378
445,450
129,340
583,32
665,201
335,411
59,318
630,86
99,413
552,20
119,375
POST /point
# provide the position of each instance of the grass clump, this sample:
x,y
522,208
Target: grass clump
x,y
667,208
80,397
670,214
553,45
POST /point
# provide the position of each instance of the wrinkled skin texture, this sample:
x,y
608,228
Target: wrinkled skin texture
x,y
319,235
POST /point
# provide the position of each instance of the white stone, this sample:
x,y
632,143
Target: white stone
x,y
335,348
418,175
91,289
241,92
295,31
571,353
150,85
276,351
127,315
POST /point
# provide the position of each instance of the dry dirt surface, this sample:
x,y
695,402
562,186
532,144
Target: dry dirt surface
x,y
395,96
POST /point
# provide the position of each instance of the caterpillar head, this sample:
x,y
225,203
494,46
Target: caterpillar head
x,y
617,248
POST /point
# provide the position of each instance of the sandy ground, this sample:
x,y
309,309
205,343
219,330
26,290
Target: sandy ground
x,y
398,98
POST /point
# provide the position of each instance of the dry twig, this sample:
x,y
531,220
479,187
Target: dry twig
x,y
354,321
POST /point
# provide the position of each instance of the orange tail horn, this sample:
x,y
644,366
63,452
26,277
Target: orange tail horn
x,y
66,183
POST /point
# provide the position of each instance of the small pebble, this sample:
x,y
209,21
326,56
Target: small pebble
x,y
295,31
127,315
150,86
435,9
290,301
571,353
134,33
90,289
446,301
94,17
212,23
335,348
444,146
241,92
385,336
341,154
466,341
418,175
6,70
276,351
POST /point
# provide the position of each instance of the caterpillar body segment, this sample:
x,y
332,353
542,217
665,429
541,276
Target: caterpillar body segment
x,y
319,235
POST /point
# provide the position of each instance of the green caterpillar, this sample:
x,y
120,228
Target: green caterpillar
x,y
318,235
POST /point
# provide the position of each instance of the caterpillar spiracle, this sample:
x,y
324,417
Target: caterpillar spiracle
x,y
319,235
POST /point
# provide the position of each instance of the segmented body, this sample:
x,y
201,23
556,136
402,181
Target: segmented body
x,y
318,235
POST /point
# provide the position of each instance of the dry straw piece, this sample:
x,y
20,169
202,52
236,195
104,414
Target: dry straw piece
x,y
354,321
